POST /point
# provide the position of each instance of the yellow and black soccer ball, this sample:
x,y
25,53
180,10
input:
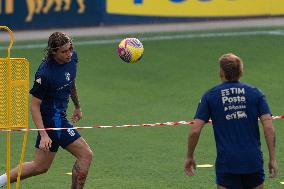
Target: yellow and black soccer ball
x,y
130,50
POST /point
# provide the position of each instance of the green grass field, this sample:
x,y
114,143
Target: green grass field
x,y
165,85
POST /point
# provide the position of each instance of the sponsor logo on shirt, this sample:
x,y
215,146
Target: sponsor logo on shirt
x,y
67,76
234,103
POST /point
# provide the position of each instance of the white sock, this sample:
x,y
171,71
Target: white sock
x,y
3,180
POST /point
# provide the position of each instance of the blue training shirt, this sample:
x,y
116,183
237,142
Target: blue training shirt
x,y
234,108
53,83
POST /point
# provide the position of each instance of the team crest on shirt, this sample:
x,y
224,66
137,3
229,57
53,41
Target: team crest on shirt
x,y
38,80
67,76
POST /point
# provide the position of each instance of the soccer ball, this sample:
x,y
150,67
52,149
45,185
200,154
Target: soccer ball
x,y
130,50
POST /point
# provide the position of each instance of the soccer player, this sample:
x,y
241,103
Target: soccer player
x,y
54,84
234,108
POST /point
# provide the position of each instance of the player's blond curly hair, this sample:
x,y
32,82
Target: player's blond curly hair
x,y
55,41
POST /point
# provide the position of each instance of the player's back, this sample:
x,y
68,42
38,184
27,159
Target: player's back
x,y
235,108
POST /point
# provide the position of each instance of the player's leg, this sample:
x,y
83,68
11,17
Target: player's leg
x,y
81,150
221,187
39,165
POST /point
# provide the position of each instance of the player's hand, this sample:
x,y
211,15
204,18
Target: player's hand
x,y
273,168
189,166
77,115
45,143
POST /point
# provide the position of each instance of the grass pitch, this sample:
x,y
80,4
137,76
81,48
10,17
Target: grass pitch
x,y
165,85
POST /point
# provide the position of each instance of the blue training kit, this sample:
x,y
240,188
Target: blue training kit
x,y
234,108
53,84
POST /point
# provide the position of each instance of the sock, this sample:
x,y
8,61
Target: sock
x,y
3,180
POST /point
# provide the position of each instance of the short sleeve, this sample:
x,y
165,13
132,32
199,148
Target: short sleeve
x,y
39,88
202,111
263,107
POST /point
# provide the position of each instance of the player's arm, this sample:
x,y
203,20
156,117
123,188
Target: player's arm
x,y
270,139
193,138
77,114
45,142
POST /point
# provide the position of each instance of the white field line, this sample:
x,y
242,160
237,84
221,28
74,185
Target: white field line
x,y
157,38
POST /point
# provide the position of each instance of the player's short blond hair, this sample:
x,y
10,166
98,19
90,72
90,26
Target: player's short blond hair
x,y
232,66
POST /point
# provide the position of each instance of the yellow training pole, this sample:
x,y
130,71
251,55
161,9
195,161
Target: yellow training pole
x,y
8,160
8,164
22,159
25,137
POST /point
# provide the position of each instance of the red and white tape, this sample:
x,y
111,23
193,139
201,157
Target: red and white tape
x,y
174,123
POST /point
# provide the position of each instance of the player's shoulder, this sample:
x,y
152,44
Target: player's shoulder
x,y
251,88
210,93
44,69
248,85
214,89
75,56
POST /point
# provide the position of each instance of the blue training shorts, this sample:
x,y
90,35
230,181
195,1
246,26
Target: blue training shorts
x,y
60,137
240,181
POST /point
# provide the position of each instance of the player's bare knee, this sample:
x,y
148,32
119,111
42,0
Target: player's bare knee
x,y
41,168
88,155
85,156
